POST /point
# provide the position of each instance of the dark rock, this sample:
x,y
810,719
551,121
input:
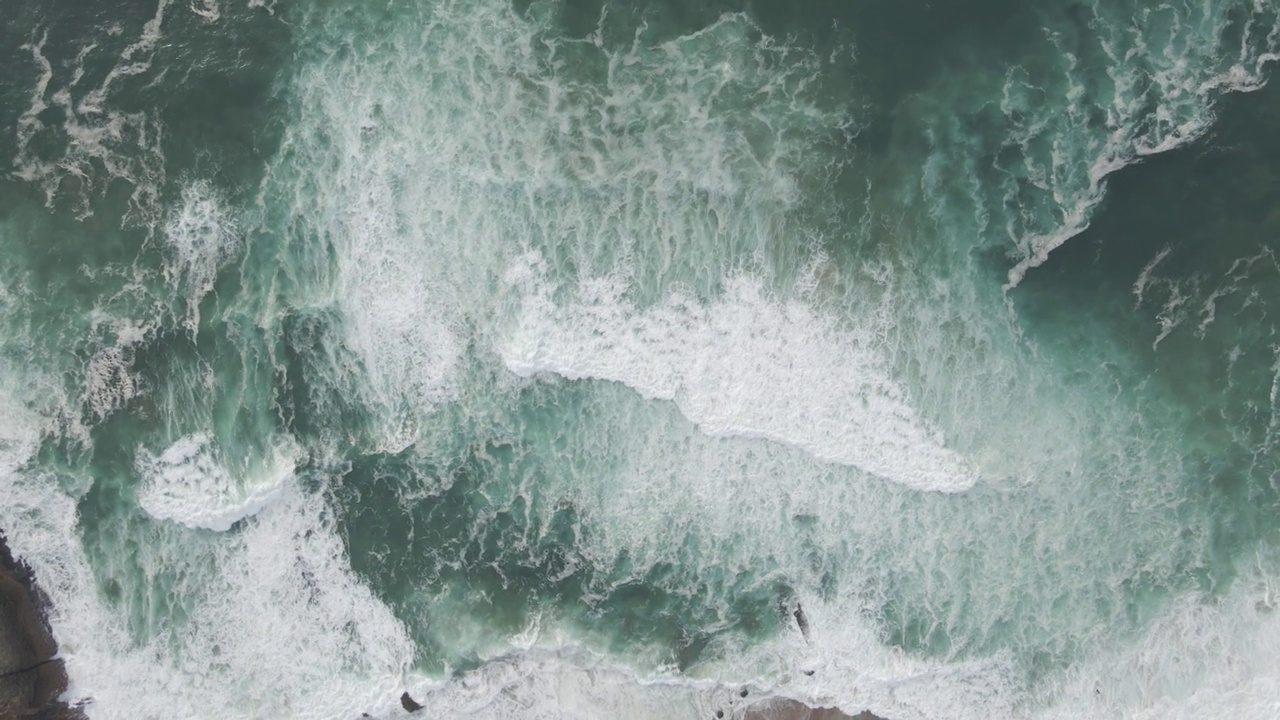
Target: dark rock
x,y
802,621
788,709
408,703
31,676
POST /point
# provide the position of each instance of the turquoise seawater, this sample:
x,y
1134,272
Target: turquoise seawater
x,y
591,359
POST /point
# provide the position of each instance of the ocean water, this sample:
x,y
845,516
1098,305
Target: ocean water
x,y
580,359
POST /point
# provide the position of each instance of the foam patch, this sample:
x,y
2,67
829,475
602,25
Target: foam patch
x,y
745,365
201,237
188,483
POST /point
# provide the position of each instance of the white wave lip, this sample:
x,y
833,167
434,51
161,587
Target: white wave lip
x,y
189,485
746,366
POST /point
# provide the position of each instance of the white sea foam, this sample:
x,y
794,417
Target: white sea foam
x,y
109,384
40,520
288,627
285,629
190,484
29,123
548,672
1200,659
397,317
99,143
844,662
1203,657
744,365
1161,93
208,10
201,237
559,682
431,159
846,666
1180,298
1144,277
134,59
20,432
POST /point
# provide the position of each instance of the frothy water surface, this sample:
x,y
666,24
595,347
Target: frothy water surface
x,y
553,359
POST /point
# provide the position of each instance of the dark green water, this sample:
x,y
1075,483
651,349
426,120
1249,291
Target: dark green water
x,y
542,359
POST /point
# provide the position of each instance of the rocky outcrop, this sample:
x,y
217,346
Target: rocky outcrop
x,y
31,675
787,709
409,703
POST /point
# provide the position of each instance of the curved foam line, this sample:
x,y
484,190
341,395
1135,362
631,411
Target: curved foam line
x,y
745,365
188,485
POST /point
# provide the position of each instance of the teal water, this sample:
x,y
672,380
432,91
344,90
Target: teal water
x,y
549,359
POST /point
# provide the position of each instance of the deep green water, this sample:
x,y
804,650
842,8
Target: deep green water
x,y
544,358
